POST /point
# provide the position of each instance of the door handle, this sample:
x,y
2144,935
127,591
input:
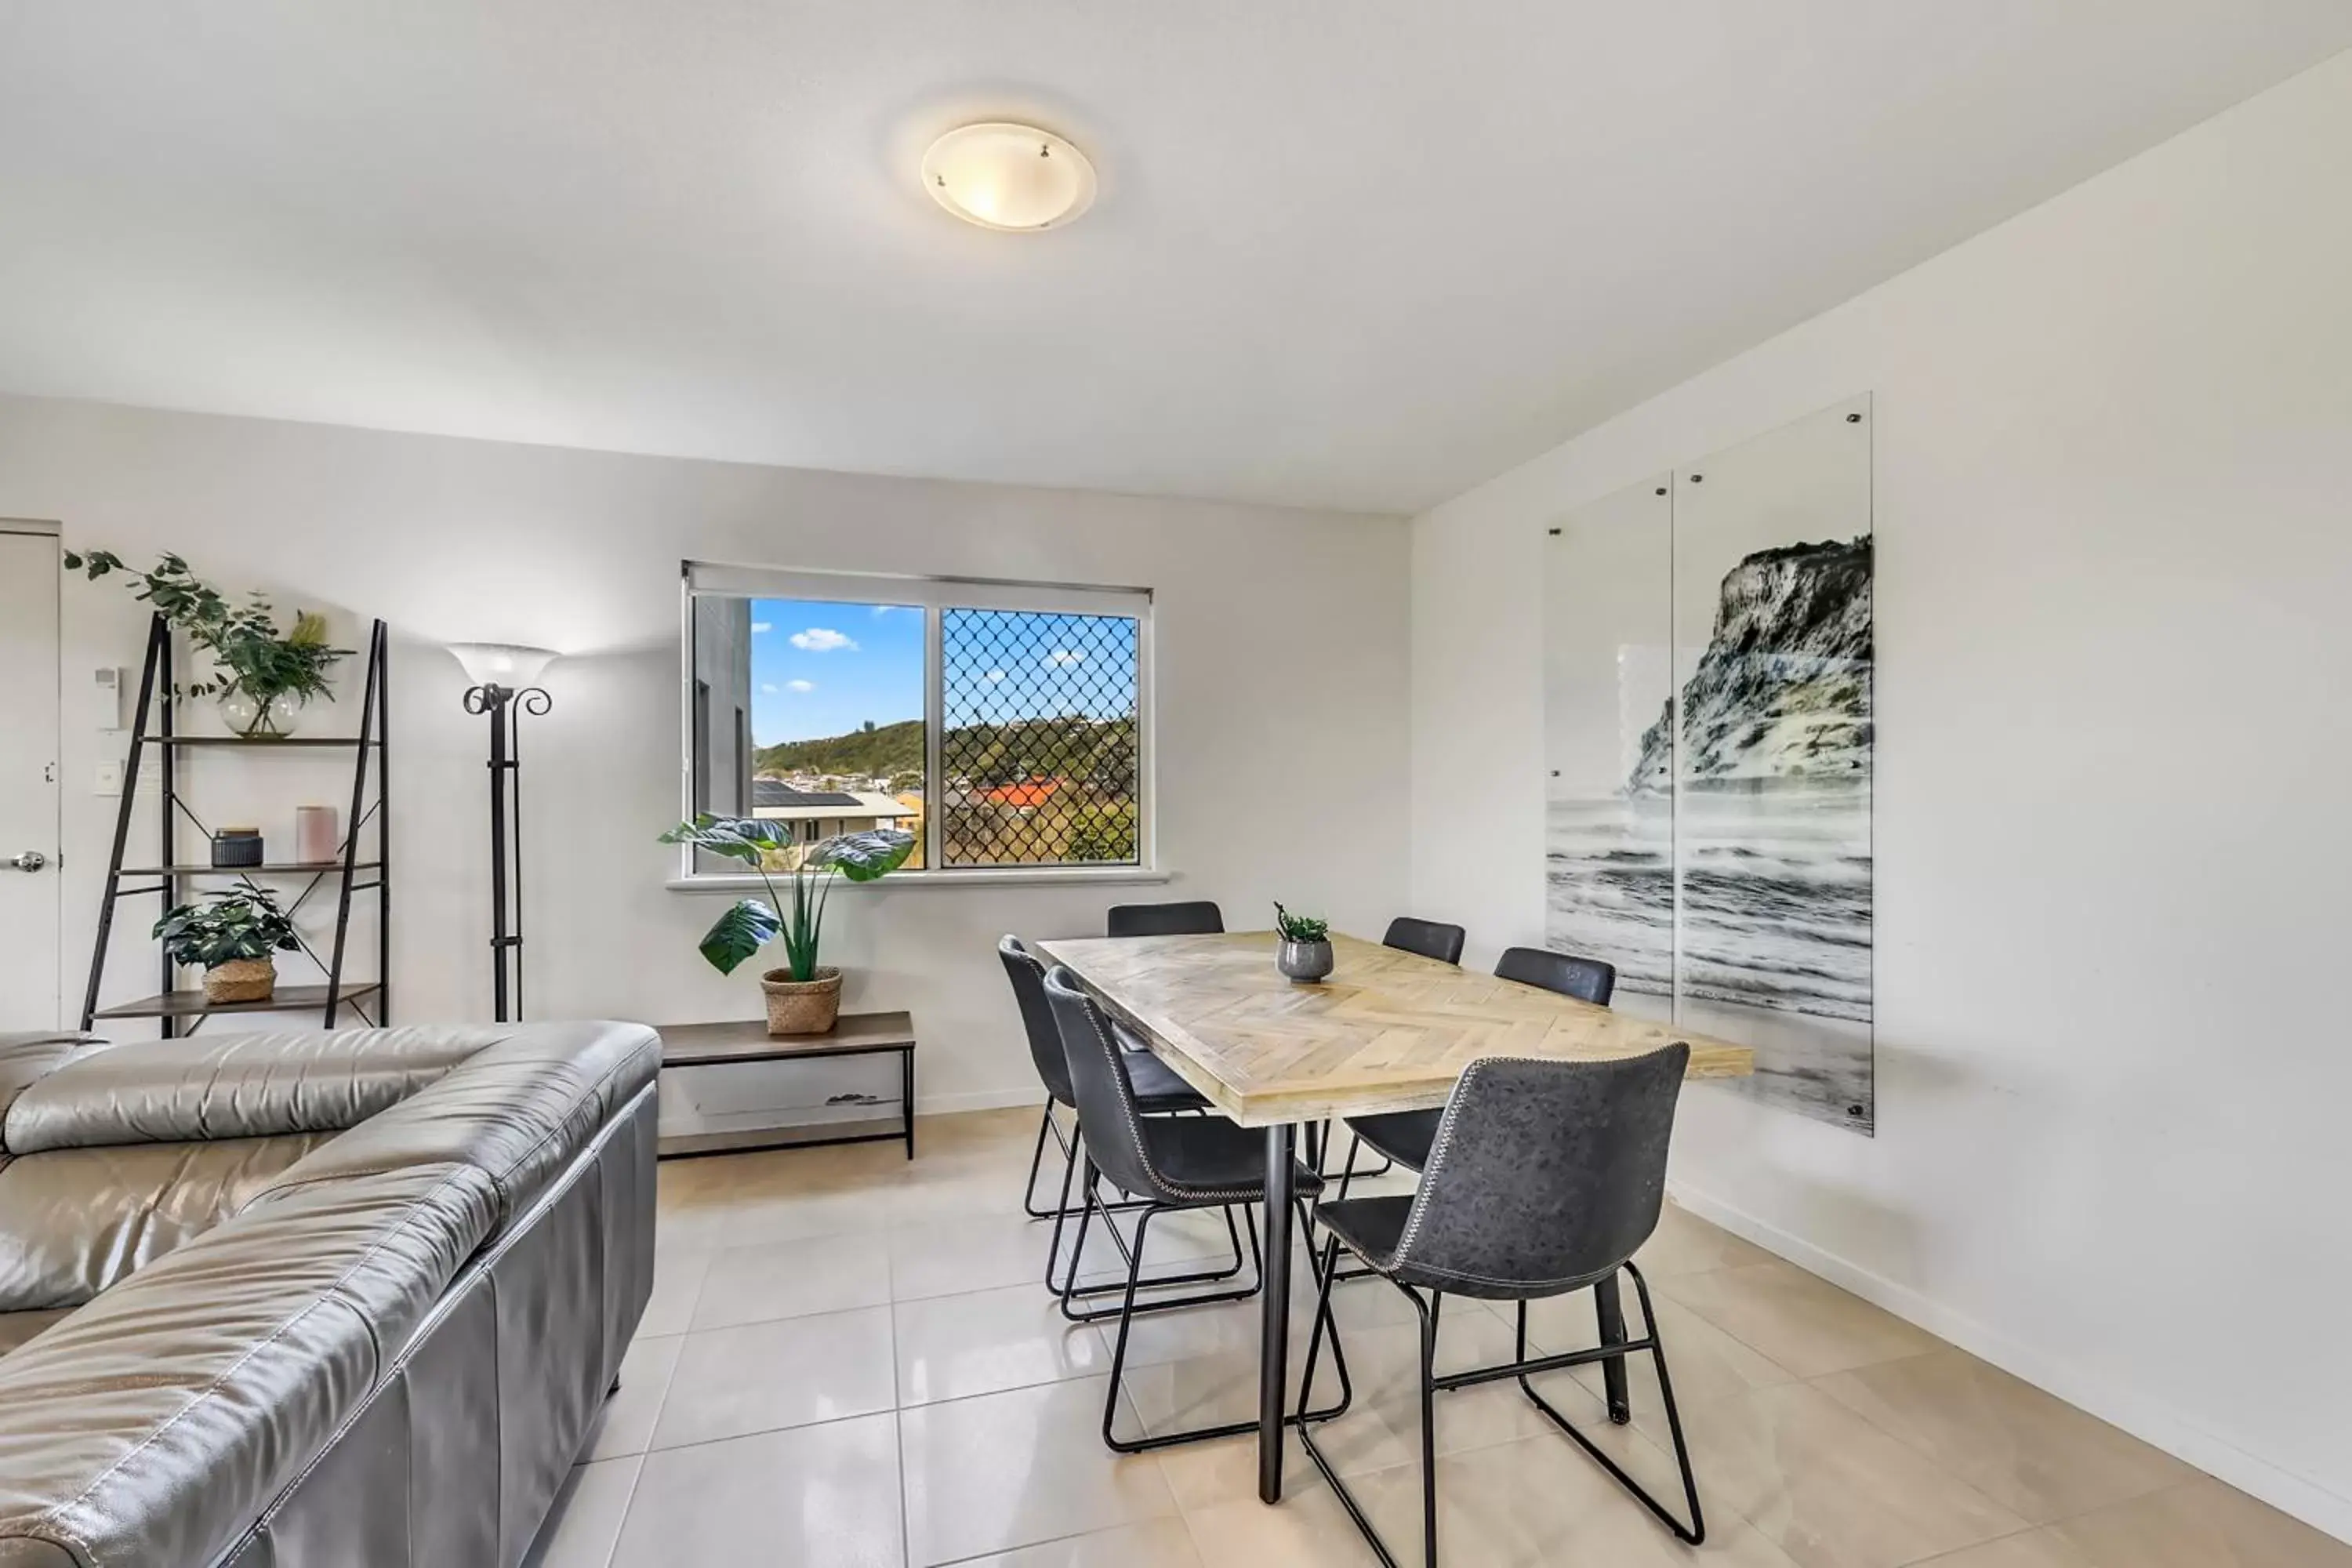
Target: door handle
x,y
30,860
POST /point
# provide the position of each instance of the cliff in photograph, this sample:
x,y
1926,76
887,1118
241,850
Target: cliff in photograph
x,y
1783,689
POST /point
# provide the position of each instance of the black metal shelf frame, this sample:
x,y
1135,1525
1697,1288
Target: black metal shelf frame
x,y
369,999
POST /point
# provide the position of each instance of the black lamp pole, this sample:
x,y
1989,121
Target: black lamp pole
x,y
505,706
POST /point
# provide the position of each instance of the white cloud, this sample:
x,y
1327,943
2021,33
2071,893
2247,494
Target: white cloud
x,y
1062,658
802,686
882,610
823,639
760,628
767,689
993,677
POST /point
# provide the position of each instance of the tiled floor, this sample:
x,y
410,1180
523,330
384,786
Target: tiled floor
x,y
849,1360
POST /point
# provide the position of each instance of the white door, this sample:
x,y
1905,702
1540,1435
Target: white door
x,y
29,880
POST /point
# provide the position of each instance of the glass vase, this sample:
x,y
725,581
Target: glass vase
x,y
250,718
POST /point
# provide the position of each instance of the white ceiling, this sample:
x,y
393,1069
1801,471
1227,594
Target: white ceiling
x,y
1358,253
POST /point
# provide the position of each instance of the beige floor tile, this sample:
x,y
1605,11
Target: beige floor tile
x,y
1822,1484
952,1347
789,1212
1706,1363
762,1377
625,1424
2035,1455
1158,1543
1805,1323
794,1280
2202,1524
678,1273
1542,1501
1685,1243
814,1496
1017,1468
955,1258
1382,1425
1225,1470
585,1519
1307,1529
2035,1549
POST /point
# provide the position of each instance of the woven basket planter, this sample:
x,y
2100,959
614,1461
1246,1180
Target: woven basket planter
x,y
240,980
802,1006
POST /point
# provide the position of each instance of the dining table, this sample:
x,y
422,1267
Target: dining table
x,y
1387,1030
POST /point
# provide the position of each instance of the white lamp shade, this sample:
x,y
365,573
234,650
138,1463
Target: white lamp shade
x,y
506,664
1011,177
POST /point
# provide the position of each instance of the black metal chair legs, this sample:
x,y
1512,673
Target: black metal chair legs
x,y
1090,1203
1129,1308
1521,1368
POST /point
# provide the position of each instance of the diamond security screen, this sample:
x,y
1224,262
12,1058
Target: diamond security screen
x,y
1039,759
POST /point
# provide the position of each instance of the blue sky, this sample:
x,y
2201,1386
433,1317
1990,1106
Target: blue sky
x,y
821,669
825,670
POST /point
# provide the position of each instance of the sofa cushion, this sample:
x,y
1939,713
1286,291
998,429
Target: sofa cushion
x,y
519,1112
27,1059
237,1085
75,1221
156,1424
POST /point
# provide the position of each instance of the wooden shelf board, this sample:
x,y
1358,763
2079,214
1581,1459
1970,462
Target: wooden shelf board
x,y
257,742
284,869
192,1004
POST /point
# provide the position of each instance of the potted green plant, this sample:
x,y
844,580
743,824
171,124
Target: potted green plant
x,y
232,936
1304,952
263,675
804,996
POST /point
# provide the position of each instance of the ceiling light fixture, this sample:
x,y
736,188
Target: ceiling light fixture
x,y
1015,178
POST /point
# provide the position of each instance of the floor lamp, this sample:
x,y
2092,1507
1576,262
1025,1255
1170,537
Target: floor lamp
x,y
504,689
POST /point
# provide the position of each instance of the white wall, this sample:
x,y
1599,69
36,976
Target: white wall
x,y
2113,517
1260,794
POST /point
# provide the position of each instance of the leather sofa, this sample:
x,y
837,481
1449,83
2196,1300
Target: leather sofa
x,y
269,1301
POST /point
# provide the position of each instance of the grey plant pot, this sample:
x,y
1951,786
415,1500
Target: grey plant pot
x,y
1307,960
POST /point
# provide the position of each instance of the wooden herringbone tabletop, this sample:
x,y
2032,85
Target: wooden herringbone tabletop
x,y
1389,1031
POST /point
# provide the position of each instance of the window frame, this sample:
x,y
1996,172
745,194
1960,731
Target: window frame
x,y
932,596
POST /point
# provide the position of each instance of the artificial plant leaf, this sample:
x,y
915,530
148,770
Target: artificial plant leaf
x,y
738,933
745,838
863,856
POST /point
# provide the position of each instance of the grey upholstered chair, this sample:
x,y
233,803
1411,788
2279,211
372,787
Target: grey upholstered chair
x,y
1546,1177
1404,1136
1197,917
1172,1164
1158,1091
1431,939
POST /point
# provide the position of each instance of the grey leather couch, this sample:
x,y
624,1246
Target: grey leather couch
x,y
271,1300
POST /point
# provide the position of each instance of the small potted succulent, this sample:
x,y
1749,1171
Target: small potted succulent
x,y
231,936
262,677
804,996
1304,952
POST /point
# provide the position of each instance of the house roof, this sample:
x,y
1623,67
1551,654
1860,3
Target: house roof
x,y
776,792
1025,793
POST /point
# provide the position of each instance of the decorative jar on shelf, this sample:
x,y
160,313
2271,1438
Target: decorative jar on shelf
x,y
249,718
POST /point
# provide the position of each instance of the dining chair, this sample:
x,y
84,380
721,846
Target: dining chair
x,y
1172,1164
1431,939
1198,917
1546,1177
1158,1093
1404,1136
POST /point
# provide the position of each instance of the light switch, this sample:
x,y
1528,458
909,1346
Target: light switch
x,y
110,779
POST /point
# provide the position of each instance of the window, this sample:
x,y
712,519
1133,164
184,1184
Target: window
x,y
1006,727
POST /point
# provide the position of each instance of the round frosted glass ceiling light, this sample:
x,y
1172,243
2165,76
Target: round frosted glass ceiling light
x,y
1017,178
